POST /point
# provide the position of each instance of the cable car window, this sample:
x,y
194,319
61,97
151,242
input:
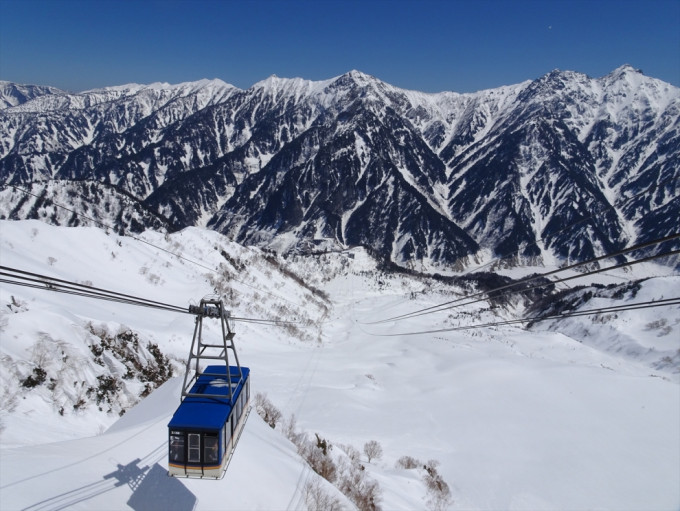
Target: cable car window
x,y
177,447
210,447
194,447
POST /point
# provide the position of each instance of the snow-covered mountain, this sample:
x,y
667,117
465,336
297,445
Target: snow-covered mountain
x,y
579,413
89,203
564,166
13,94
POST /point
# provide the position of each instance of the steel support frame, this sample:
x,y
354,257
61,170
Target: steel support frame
x,y
210,351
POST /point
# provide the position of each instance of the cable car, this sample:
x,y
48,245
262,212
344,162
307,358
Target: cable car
x,y
207,425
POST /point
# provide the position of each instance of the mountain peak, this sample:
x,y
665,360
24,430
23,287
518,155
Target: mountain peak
x,y
359,77
552,83
624,72
356,77
626,68
563,76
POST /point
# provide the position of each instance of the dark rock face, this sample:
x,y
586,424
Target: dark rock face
x,y
565,166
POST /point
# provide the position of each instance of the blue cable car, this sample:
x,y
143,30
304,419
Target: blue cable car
x,y
206,426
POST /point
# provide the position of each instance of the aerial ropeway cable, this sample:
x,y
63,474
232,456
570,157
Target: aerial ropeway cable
x,y
141,240
664,302
34,280
28,279
483,295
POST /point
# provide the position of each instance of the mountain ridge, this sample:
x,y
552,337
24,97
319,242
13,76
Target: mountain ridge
x,y
504,170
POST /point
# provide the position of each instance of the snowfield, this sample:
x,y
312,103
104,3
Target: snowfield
x,y
578,414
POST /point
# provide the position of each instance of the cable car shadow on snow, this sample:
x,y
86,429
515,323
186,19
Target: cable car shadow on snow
x,y
156,491
151,489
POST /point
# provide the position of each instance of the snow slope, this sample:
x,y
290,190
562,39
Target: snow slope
x,y
125,468
534,420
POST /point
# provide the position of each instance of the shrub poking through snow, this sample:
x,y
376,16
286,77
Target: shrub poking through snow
x,y
317,499
37,378
266,409
363,491
352,453
438,492
343,469
408,462
317,456
106,389
144,363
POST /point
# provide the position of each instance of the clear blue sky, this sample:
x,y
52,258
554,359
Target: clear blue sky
x,y
424,45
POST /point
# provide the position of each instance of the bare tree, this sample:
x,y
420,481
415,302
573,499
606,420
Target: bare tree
x,y
372,449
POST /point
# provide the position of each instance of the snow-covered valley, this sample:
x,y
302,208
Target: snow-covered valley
x,y
583,413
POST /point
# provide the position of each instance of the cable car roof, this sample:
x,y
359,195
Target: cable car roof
x,y
209,412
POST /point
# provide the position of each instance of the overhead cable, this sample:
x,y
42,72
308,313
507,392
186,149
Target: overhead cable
x,y
179,256
37,281
456,303
534,319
